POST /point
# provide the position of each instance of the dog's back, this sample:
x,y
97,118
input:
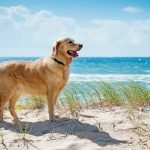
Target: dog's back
x,y
23,77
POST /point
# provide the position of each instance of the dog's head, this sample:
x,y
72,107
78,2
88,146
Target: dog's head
x,y
67,48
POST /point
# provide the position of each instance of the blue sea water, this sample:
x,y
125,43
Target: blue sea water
x,y
112,69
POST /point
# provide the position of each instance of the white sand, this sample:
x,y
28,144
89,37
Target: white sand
x,y
95,129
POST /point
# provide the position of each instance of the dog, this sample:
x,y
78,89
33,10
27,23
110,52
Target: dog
x,y
43,77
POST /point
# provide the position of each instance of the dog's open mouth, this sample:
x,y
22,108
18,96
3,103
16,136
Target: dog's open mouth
x,y
73,53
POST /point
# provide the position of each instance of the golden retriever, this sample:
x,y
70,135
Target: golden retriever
x,y
43,77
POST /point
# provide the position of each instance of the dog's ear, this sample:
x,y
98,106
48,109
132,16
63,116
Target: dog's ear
x,y
55,48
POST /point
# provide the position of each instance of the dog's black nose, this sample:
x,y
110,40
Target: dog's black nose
x,y
80,45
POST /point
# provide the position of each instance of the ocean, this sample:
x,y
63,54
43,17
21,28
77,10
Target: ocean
x,y
111,69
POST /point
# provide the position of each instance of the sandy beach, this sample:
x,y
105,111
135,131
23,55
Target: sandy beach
x,y
93,129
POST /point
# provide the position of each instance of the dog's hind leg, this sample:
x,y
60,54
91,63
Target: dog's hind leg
x,y
1,108
12,103
3,101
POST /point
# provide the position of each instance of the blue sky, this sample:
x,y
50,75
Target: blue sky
x,y
105,27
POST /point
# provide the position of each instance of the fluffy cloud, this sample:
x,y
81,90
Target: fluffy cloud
x,y
27,33
22,29
121,38
132,10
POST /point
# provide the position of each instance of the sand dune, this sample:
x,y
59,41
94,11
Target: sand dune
x,y
95,129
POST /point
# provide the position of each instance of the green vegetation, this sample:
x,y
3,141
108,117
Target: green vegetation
x,y
110,94
136,94
36,103
31,103
76,96
105,94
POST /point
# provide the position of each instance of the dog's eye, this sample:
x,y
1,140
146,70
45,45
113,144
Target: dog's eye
x,y
69,42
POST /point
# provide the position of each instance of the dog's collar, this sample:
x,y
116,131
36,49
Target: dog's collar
x,y
59,62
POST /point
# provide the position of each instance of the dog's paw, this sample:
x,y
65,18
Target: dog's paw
x,y
1,120
52,119
16,120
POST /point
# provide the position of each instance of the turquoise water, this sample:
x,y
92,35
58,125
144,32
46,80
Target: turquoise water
x,y
115,69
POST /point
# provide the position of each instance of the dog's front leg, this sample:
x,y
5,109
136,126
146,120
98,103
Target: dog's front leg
x,y
51,103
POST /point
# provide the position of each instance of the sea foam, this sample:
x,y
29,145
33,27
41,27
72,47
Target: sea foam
x,y
109,77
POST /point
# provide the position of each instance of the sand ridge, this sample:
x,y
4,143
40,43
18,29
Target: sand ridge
x,y
95,129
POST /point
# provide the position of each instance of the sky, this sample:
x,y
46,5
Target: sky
x,y
106,28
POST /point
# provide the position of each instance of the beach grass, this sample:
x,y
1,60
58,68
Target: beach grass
x,y
34,102
72,100
136,94
105,93
110,94
75,96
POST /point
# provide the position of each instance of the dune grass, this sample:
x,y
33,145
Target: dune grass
x,y
136,94
35,102
110,94
75,96
72,100
105,94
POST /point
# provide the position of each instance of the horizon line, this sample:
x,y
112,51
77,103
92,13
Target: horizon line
x,y
78,57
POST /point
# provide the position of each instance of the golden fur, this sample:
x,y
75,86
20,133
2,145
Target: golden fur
x,y
43,77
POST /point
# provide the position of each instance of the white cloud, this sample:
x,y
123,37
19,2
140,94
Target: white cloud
x,y
124,38
132,10
27,33
22,29
116,37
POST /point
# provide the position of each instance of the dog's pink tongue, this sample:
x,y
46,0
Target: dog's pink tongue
x,y
74,54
